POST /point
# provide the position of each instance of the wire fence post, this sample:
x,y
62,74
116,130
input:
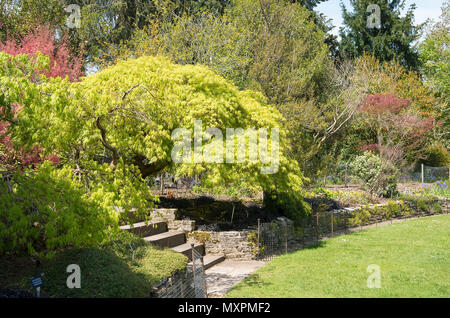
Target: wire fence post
x,y
205,292
422,174
286,238
346,174
303,231
346,222
332,224
193,262
182,289
317,226
259,230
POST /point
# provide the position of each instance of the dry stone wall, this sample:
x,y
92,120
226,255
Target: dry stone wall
x,y
170,216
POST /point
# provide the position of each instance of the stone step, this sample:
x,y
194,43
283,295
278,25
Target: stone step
x,y
141,229
167,239
186,249
211,260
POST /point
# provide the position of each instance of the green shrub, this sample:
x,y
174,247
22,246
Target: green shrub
x,y
44,209
422,202
378,176
107,271
437,208
359,217
252,238
436,156
349,198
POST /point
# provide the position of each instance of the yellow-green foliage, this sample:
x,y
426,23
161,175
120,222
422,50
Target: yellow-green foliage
x,y
124,116
390,210
45,209
360,217
139,102
201,237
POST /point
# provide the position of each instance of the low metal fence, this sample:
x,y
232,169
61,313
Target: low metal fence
x,y
275,238
189,284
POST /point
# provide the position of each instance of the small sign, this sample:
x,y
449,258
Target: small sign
x,y
36,281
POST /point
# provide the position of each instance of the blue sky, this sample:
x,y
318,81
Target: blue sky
x,y
425,9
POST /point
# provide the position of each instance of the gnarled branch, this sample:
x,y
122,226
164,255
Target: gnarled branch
x,y
115,152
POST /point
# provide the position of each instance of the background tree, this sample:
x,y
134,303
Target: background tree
x,y
309,4
435,54
107,23
399,136
367,76
271,46
393,40
20,17
435,59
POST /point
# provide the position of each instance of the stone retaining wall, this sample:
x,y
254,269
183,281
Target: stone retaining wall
x,y
232,244
170,216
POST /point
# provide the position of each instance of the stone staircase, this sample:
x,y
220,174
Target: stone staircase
x,y
166,231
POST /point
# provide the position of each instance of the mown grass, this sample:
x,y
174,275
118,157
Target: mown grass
x,y
108,271
414,260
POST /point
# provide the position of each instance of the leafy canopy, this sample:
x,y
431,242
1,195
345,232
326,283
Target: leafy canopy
x,y
394,38
125,115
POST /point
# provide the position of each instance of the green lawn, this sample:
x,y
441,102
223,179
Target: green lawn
x,y
414,260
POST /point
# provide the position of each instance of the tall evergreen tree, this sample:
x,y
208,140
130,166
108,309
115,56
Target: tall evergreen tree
x,y
309,4
389,36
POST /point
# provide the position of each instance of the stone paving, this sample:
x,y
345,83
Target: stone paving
x,y
223,276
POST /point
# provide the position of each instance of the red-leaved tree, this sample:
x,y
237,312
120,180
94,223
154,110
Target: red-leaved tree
x,y
61,64
399,135
43,40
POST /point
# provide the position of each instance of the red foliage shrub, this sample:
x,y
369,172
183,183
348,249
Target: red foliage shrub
x,y
61,65
380,103
43,40
399,135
